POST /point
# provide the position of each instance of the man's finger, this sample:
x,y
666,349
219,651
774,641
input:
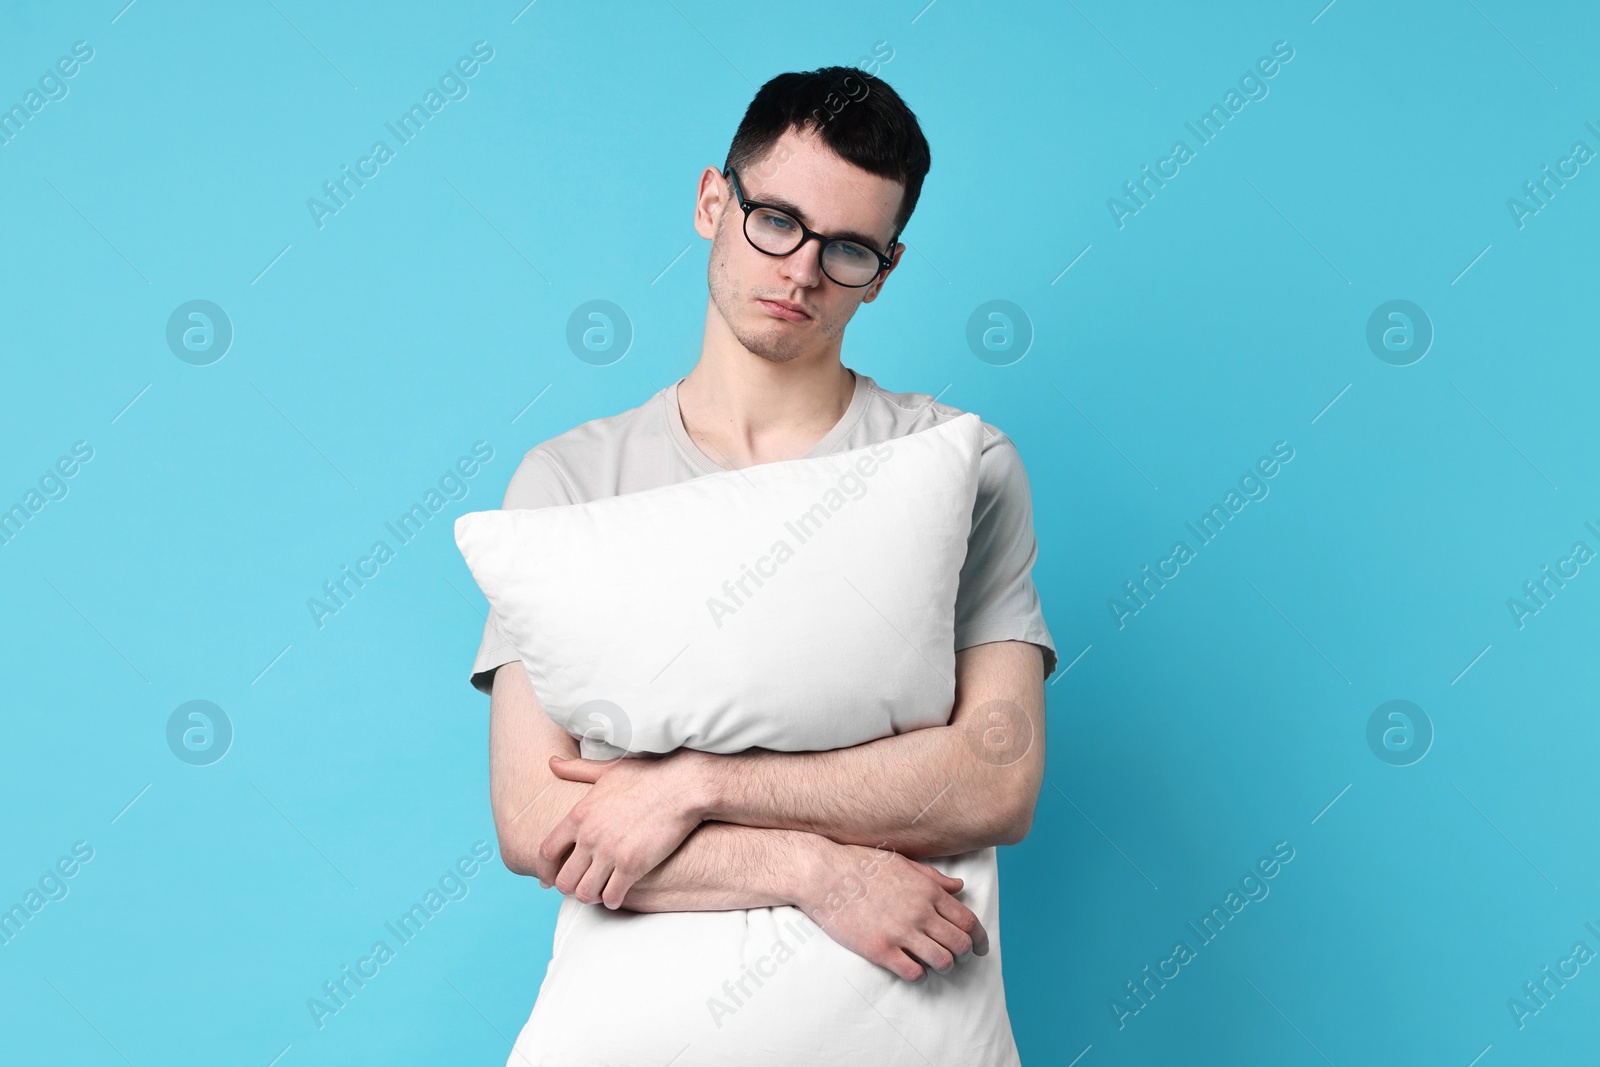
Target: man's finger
x,y
593,882
951,936
904,965
546,869
578,769
959,915
941,876
617,888
557,841
926,950
572,871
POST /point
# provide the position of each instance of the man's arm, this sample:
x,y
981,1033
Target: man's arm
x,y
729,867
891,910
934,792
886,908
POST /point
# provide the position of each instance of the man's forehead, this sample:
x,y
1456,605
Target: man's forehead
x,y
860,219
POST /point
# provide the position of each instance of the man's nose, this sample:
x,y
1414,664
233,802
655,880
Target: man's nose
x,y
804,264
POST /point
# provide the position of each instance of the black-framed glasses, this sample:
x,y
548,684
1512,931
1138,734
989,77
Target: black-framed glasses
x,y
847,261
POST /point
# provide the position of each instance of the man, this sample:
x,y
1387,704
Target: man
x,y
822,176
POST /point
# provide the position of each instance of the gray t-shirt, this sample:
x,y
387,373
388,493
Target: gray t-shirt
x,y
647,446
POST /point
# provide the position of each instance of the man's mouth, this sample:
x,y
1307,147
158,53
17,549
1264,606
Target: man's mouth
x,y
784,310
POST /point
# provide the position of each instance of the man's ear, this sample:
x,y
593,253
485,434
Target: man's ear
x,y
711,197
877,285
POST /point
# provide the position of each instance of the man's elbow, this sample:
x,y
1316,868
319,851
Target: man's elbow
x,y
521,827
518,854
1014,830
514,860
1016,818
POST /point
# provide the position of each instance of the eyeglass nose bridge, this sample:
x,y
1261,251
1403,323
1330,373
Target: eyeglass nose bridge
x,y
806,234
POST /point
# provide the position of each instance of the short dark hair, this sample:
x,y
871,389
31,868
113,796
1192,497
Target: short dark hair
x,y
857,115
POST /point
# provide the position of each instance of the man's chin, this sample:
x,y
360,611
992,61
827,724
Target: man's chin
x,y
768,349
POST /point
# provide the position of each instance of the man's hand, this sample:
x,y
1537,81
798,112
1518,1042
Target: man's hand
x,y
636,815
896,912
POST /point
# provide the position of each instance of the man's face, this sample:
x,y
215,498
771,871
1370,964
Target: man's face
x,y
826,193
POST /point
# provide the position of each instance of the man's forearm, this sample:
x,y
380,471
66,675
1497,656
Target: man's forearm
x,y
722,867
920,794
894,912
932,792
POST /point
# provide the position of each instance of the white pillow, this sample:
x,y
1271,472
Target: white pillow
x,y
618,610
802,605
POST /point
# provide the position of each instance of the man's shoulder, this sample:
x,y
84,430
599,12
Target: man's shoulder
x,y
604,435
896,414
576,464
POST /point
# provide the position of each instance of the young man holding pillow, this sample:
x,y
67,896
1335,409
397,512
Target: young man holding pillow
x,y
822,176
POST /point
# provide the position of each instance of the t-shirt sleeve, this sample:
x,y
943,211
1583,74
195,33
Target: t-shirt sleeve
x,y
536,483
996,599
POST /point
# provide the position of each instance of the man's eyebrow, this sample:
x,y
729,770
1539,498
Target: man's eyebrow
x,y
794,209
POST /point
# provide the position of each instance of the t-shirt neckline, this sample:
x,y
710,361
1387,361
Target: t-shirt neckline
x,y
828,443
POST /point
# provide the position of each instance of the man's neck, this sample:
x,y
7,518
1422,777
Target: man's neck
x,y
754,411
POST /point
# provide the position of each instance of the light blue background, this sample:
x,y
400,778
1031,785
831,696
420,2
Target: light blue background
x,y
1222,318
